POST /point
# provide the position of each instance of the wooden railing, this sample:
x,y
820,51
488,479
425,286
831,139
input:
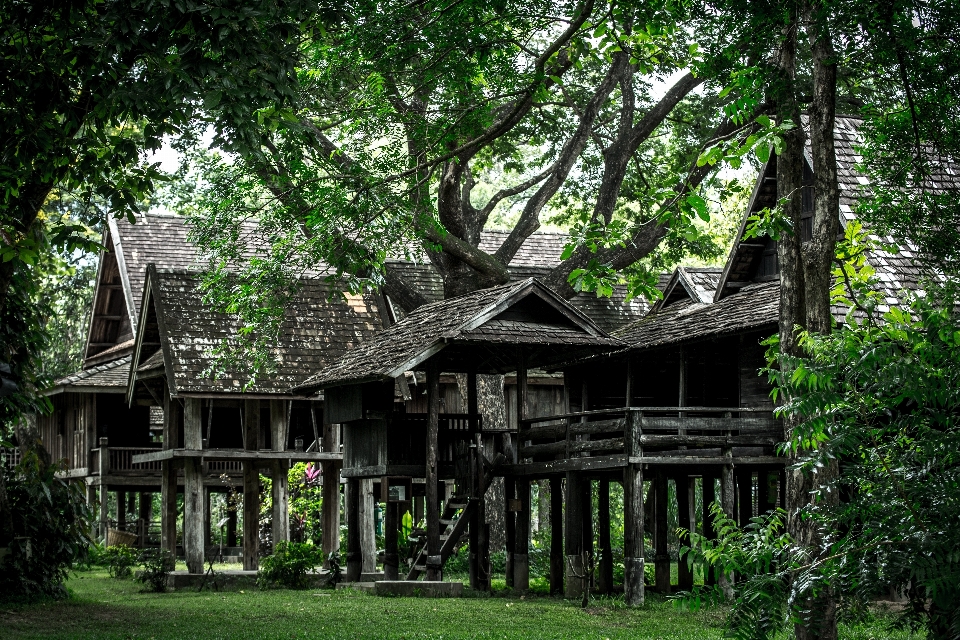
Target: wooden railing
x,y
107,460
662,432
9,457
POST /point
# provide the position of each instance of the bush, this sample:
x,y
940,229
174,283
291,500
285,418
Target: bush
x,y
49,525
289,565
119,560
157,565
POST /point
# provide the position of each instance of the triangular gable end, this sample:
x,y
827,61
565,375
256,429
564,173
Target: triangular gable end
x,y
536,303
678,288
755,259
148,342
112,317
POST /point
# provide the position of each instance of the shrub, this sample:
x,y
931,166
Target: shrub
x,y
49,525
157,565
288,565
119,559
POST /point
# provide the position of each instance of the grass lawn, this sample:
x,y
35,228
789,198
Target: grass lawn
x,y
102,607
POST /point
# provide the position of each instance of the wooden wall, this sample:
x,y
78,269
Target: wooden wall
x,y
754,388
69,432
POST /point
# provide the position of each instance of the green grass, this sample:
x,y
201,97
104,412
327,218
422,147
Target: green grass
x,y
101,607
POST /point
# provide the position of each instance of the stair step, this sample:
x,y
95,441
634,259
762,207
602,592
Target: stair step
x,y
420,567
450,521
456,505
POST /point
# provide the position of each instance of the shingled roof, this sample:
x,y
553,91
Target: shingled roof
x,y
316,329
754,306
608,312
105,378
521,313
690,283
896,273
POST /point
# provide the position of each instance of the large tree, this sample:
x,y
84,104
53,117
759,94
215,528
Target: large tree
x,y
89,87
416,124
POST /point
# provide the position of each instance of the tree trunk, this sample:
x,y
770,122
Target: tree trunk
x,y
492,405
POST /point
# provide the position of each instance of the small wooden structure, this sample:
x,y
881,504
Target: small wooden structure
x,y
514,327
214,424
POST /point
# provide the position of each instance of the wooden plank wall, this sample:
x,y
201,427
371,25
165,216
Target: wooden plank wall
x,y
754,388
69,432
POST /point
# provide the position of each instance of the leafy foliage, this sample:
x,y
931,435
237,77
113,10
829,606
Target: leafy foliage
x,y
47,531
119,560
289,565
157,564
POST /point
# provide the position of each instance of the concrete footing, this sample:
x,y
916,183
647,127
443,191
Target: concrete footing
x,y
423,589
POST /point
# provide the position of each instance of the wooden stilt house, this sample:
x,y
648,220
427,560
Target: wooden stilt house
x,y
511,328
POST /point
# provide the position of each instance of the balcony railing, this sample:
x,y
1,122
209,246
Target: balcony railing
x,y
656,434
9,457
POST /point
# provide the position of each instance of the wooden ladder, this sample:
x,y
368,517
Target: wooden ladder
x,y
457,513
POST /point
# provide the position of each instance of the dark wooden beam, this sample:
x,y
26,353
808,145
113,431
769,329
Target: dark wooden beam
x,y
433,500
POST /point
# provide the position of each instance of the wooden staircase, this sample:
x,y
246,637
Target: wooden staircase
x,y
457,513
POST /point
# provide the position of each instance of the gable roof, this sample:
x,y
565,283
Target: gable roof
x,y
754,306
689,283
895,272
316,329
484,317
105,378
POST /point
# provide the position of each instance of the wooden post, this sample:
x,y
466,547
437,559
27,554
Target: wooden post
x,y
391,553
556,535
251,486
330,517
368,527
727,503
709,532
145,515
280,468
663,557
121,510
510,527
433,502
476,480
354,555
168,481
104,510
573,541
586,497
521,563
192,487
232,526
207,518
745,496
605,573
767,491
633,525
684,571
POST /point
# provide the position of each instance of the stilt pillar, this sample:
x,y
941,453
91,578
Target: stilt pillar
x,y
232,525
521,562
476,480
144,516
168,481
684,570
605,568
586,521
104,510
633,515
573,542
744,496
510,504
727,503
121,510
331,493
391,554
432,514
354,554
193,515
368,527
556,535
279,420
709,531
251,487
661,528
